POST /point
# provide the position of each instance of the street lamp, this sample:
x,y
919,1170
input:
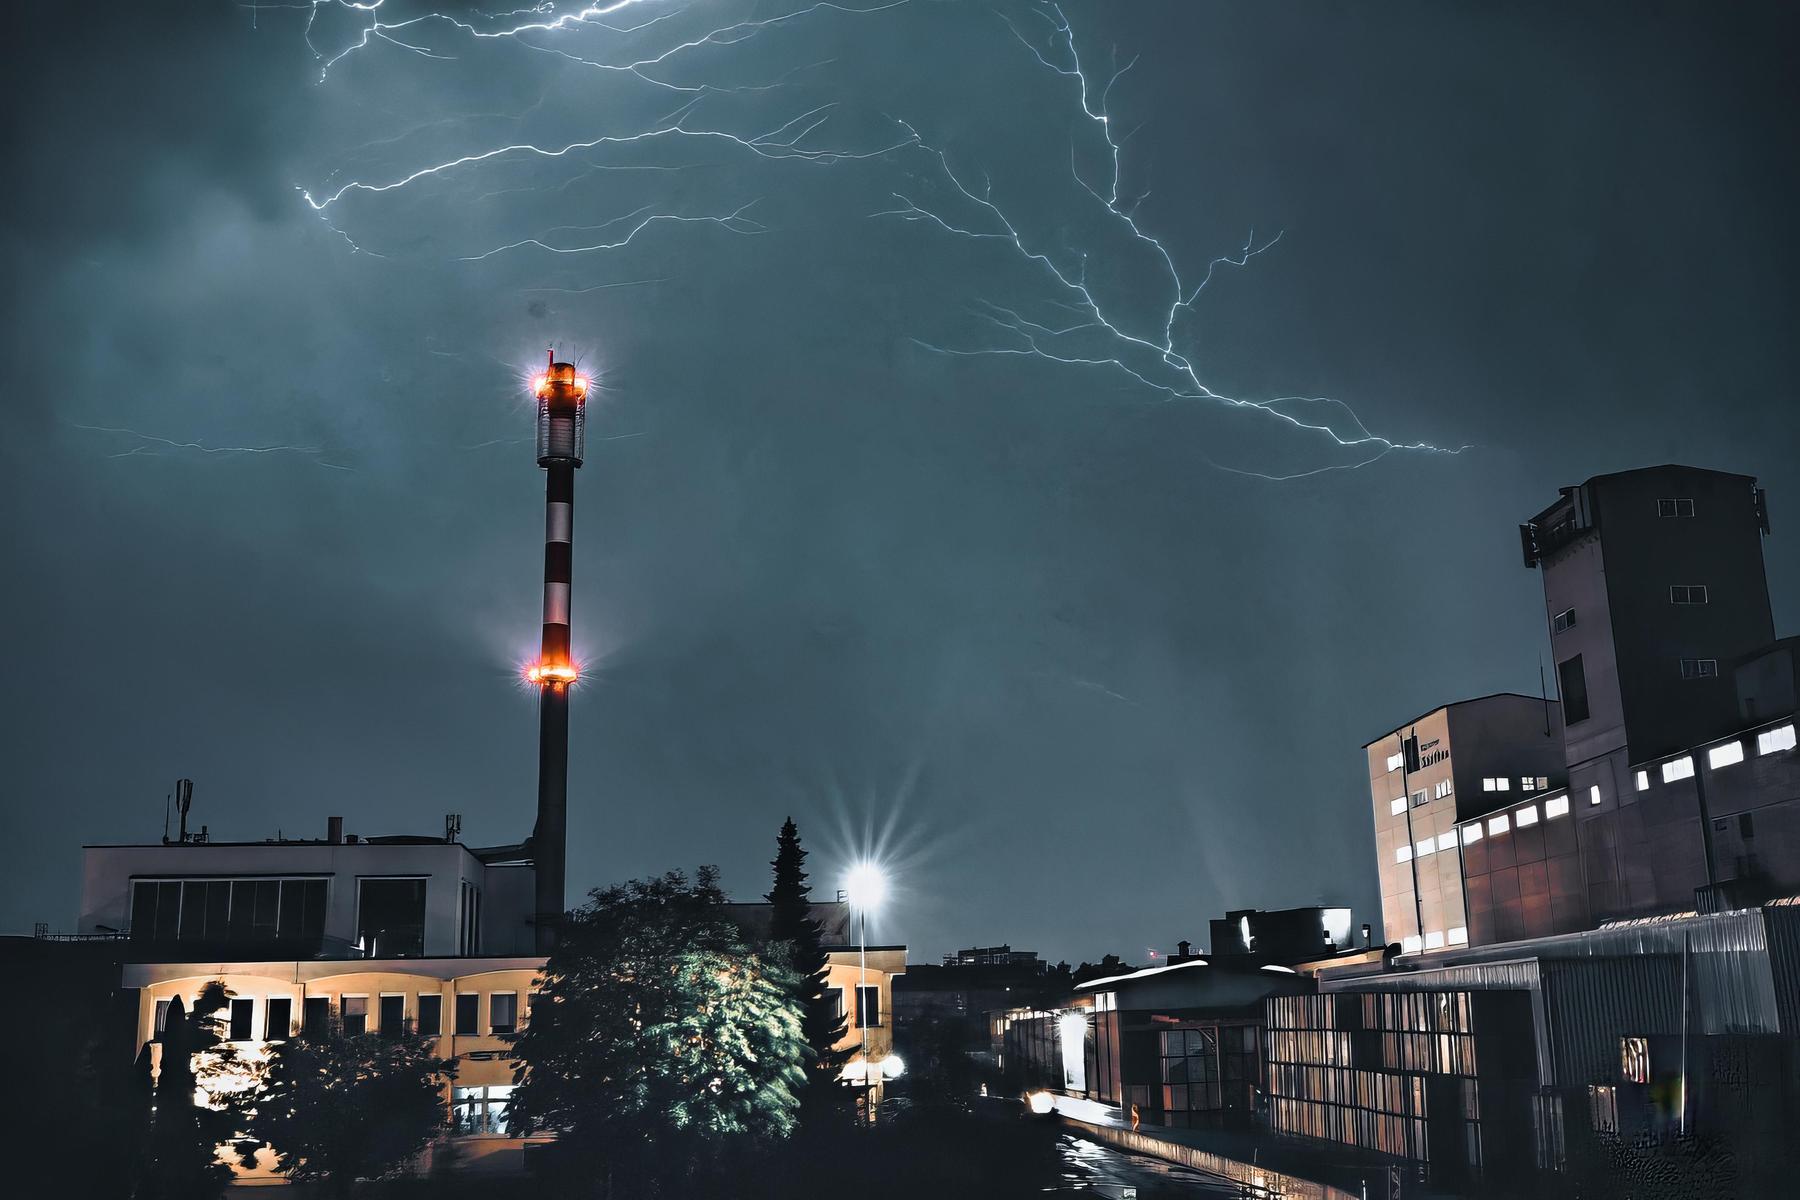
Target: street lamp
x,y
866,887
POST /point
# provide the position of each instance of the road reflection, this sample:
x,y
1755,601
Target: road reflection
x,y
1090,1169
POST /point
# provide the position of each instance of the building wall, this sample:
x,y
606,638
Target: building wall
x,y
1522,866
108,873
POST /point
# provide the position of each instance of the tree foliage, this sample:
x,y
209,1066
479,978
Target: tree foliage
x,y
338,1109
192,1120
660,1038
792,925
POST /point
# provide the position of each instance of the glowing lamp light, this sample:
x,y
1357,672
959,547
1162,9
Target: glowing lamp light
x,y
892,1067
866,886
581,383
1041,1103
563,673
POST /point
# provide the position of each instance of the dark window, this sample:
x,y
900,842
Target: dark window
x,y
1746,825
1563,620
243,1013
1699,668
468,1014
390,919
1682,506
503,1012
431,1014
302,910
193,912
279,1019
317,1014
1410,749
868,1007
393,1015
355,1014
1421,798
162,1018
1572,680
838,1012
1687,593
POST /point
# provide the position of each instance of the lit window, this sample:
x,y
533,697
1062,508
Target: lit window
x,y
1594,795
1526,816
1471,833
1459,936
1403,854
1411,944
1682,506
1434,940
1643,782
1726,755
1442,789
1680,768
1503,784
1563,620
1487,783
1397,805
1772,741
1394,761
1425,847
1556,806
1498,825
1421,798
1447,841
1543,782
1699,668
481,1111
1687,593
355,1014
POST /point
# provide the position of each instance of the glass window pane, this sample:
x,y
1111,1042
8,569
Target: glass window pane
x,y
431,1014
503,1010
390,920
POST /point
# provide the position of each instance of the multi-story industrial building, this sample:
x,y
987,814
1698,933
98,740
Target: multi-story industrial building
x,y
1452,764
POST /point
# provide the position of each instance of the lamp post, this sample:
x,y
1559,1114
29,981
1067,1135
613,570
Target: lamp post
x,y
865,888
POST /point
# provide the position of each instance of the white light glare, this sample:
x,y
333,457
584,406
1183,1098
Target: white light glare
x,y
866,886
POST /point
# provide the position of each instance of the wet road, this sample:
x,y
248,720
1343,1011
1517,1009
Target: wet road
x,y
1093,1170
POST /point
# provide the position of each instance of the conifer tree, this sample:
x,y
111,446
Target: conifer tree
x,y
792,923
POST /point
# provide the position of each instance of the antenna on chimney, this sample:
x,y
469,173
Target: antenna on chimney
x,y
184,800
167,799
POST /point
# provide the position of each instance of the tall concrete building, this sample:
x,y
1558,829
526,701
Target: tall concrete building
x,y
1654,591
1454,763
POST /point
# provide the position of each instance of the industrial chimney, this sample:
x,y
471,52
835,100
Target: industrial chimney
x,y
561,416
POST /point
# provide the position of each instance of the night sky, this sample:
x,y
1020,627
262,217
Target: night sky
x,y
1045,632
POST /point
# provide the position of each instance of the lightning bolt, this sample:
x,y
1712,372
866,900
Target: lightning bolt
x,y
1067,322
154,445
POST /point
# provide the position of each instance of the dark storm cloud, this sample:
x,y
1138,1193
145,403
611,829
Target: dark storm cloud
x,y
1100,689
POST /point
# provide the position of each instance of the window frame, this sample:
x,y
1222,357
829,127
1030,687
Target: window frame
x,y
494,1030
286,1030
437,1014
1673,504
861,989
456,1021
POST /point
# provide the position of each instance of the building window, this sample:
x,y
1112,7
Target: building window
x,y
315,1014
868,1006
1428,846
161,1020
1572,681
1773,741
355,1015
1442,789
1556,806
1687,593
431,1014
1643,784
838,1011
1526,816
1403,854
1726,755
481,1111
228,910
278,1019
1411,944
1498,825
1562,621
1500,783
1394,761
503,1012
1699,668
468,1014
1682,506
243,1020
1459,936
390,917
1434,940
1421,798
392,1015
1396,806
1471,833
1680,768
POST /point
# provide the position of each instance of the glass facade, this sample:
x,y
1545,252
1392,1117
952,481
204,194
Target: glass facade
x,y
228,910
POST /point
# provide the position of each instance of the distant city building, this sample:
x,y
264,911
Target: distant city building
x,y
994,956
1284,936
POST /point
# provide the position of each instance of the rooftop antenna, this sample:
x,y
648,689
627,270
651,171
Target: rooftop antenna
x,y
184,800
167,799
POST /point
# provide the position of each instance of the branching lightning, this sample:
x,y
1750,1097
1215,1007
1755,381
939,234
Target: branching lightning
x,y
154,445
1067,322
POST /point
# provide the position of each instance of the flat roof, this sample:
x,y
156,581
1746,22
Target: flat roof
x,y
1455,704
